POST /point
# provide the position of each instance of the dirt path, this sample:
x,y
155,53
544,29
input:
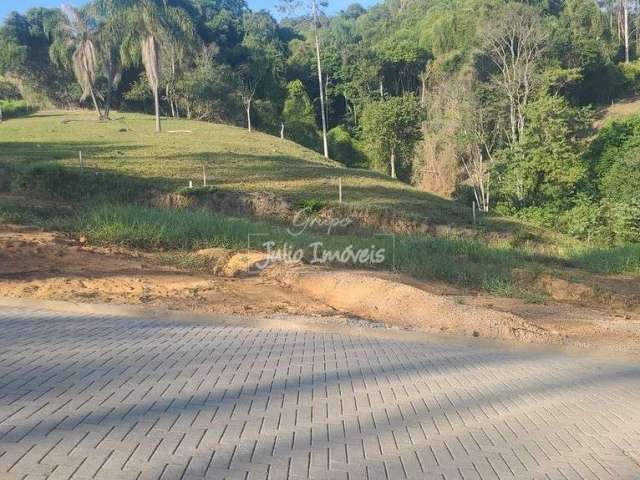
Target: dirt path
x,y
51,266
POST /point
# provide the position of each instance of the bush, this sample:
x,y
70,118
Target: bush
x,y
312,205
344,148
305,134
299,117
631,74
15,108
543,216
585,220
8,91
624,218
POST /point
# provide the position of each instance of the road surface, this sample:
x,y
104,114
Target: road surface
x,y
99,396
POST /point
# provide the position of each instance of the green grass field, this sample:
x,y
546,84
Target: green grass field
x,y
233,159
131,158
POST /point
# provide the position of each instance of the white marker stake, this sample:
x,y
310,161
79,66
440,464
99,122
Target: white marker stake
x,y
340,190
204,176
81,162
190,184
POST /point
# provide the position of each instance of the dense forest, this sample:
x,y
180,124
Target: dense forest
x,y
486,101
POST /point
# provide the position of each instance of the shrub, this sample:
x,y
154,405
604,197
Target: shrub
x,y
585,220
299,117
312,205
631,74
344,148
624,218
15,108
304,134
8,91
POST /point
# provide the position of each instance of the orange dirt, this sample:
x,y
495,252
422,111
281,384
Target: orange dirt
x,y
51,266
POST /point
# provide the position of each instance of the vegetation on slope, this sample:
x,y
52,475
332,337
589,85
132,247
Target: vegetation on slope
x,y
122,161
232,158
488,101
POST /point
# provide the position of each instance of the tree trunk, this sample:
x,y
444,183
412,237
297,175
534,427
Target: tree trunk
x,y
381,89
393,163
325,143
625,7
156,99
107,102
110,71
170,100
513,121
95,103
423,97
326,97
248,106
282,131
174,107
1,113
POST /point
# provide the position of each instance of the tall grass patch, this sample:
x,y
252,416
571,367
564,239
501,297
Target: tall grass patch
x,y
467,263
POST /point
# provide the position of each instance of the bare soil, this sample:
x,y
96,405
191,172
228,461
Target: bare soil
x,y
44,265
51,266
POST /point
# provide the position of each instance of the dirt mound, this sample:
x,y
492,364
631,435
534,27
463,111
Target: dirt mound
x,y
393,302
50,266
616,293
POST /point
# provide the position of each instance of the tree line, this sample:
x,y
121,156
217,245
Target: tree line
x,y
489,101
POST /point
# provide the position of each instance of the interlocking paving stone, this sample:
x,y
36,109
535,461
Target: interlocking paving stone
x,y
104,397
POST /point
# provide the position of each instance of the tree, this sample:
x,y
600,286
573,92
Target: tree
x,y
112,23
392,127
401,62
515,41
546,167
299,117
251,73
312,8
25,58
261,59
479,142
152,24
209,90
78,34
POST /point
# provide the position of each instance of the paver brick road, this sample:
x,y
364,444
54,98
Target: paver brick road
x,y
103,397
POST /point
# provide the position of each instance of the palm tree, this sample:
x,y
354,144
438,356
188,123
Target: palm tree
x,y
112,23
78,34
154,24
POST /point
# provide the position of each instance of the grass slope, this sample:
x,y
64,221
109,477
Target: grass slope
x,y
237,160
233,159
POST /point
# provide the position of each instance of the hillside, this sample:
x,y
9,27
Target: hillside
x,y
233,158
238,161
126,164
